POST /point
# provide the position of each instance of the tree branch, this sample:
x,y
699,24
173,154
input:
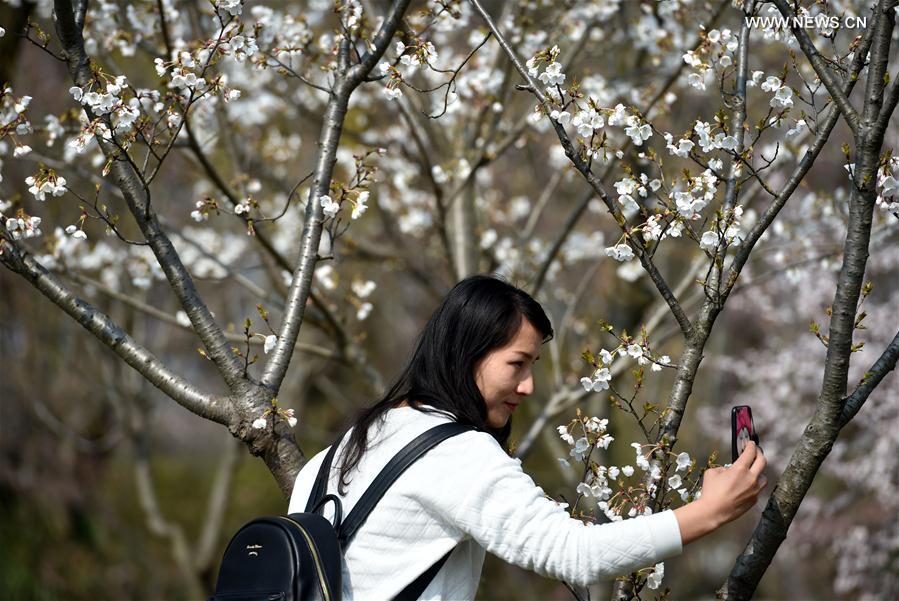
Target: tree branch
x,y
567,398
862,197
739,117
840,98
877,114
380,42
688,366
532,86
137,198
582,205
820,434
808,159
260,236
884,365
875,83
887,111
173,321
348,79
109,333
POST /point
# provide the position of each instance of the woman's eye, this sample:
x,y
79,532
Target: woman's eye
x,y
518,363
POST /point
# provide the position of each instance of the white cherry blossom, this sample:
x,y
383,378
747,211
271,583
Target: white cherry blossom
x,y
232,7
783,98
709,240
638,132
330,207
620,252
654,580
553,75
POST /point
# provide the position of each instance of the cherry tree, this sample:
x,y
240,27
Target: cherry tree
x,y
561,146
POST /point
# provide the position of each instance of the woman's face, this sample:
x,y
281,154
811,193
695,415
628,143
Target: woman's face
x,y
504,375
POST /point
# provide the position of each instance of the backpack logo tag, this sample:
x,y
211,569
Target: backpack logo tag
x,y
250,547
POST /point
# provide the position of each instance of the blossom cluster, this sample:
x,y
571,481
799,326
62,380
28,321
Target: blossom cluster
x,y
552,70
637,130
89,131
410,58
232,7
413,56
44,183
186,71
683,148
783,94
691,195
14,120
181,70
657,228
274,412
238,45
622,491
23,226
76,231
592,118
114,101
108,102
725,230
203,208
620,252
714,52
628,186
600,379
708,143
359,201
356,192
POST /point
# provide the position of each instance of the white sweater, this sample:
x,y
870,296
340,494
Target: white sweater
x,y
469,494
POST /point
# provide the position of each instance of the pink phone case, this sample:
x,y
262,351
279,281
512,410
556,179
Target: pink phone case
x,y
742,430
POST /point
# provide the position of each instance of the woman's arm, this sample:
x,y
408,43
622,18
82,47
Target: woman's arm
x,y
477,489
485,494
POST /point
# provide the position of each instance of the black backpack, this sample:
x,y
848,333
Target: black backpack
x,y
298,557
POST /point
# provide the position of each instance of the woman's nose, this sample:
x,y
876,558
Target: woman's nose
x,y
526,387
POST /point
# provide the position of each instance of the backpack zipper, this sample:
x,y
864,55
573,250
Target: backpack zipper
x,y
314,551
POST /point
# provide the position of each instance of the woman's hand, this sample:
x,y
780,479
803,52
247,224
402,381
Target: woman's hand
x,y
727,493
732,491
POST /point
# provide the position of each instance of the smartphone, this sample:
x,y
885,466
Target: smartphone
x,y
742,430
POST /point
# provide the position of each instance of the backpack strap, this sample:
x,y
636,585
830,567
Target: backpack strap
x,y
396,466
415,588
347,528
321,480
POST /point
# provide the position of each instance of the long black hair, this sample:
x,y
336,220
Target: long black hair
x,y
481,313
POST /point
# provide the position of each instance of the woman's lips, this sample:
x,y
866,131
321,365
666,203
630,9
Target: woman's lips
x,y
511,406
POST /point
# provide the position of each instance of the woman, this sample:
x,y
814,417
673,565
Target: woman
x,y
473,364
